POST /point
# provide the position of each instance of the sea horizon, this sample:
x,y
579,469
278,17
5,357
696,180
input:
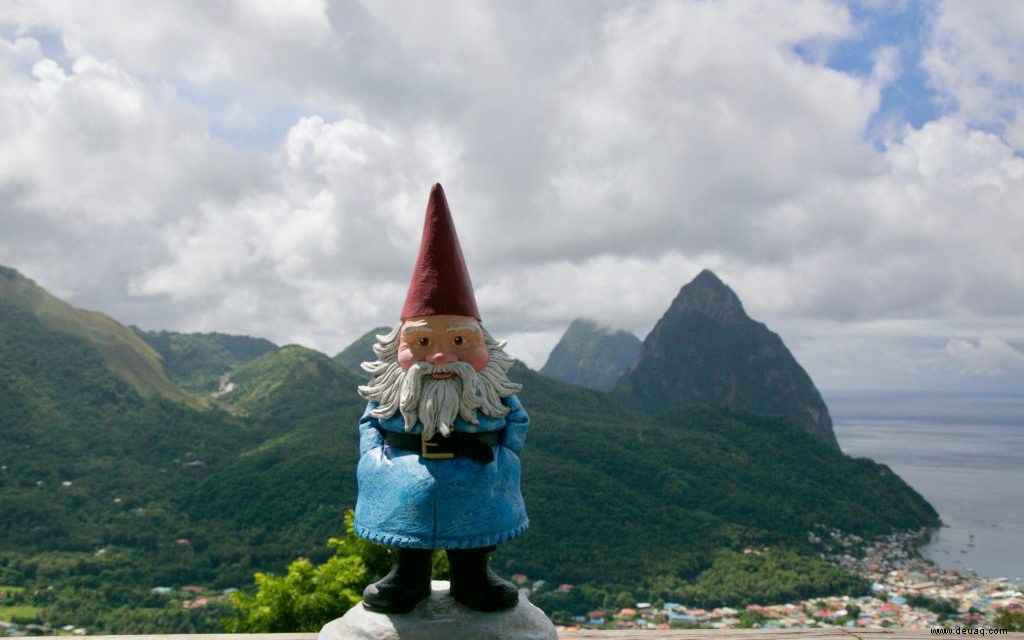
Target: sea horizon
x,y
963,452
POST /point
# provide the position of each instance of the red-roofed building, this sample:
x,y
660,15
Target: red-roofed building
x,y
193,604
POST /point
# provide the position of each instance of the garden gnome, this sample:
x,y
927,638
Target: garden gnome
x,y
440,439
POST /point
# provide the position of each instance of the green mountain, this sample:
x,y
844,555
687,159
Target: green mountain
x,y
589,355
284,495
199,361
360,351
613,496
86,458
107,492
291,384
127,356
707,350
613,493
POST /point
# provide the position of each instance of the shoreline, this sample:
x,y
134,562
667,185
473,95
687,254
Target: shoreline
x,y
897,570
908,591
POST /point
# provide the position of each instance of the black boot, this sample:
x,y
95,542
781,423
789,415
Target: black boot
x,y
407,583
475,585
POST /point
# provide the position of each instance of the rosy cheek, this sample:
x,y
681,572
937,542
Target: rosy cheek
x,y
406,358
476,357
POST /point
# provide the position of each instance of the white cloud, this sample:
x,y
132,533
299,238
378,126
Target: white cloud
x,y
986,356
667,140
202,41
90,143
346,196
949,155
975,57
596,156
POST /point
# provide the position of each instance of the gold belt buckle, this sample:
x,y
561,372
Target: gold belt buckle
x,y
429,455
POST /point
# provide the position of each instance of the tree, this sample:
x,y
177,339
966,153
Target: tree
x,y
310,596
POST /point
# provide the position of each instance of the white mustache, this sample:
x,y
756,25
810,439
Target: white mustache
x,y
442,402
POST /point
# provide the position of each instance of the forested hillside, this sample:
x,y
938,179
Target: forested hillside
x,y
198,362
108,491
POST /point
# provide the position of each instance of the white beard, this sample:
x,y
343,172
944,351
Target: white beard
x,y
436,403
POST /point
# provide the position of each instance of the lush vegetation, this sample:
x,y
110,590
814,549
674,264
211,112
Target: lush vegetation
x,y
759,577
110,592
122,352
308,596
199,361
613,494
110,490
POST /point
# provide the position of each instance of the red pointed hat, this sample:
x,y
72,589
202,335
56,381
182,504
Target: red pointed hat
x,y
440,282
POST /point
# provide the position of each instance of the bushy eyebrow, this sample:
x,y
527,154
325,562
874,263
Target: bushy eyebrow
x,y
464,327
406,331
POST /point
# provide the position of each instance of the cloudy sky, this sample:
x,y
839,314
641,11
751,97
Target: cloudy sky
x,y
853,170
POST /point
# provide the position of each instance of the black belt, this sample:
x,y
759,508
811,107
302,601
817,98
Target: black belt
x,y
476,446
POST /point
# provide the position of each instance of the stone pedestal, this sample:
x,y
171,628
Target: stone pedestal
x,y
440,617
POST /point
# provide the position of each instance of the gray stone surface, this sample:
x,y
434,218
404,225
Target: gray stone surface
x,y
440,617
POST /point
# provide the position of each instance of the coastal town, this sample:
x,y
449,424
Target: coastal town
x,y
907,591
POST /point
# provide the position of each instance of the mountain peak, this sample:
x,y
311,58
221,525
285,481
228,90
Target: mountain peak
x,y
586,325
707,275
592,355
707,295
707,350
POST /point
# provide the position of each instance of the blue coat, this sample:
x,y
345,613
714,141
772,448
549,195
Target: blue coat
x,y
408,501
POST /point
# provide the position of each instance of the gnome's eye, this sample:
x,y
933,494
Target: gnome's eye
x,y
458,341
423,342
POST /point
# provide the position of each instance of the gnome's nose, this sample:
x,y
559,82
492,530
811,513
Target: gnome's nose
x,y
442,358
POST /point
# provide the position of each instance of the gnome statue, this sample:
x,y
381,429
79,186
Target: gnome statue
x,y
440,439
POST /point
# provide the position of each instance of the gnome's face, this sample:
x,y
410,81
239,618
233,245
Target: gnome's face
x,y
440,340
433,383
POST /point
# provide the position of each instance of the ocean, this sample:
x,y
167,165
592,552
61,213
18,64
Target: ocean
x,y
963,453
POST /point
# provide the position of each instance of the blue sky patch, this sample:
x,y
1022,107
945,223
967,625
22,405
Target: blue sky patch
x,y
906,26
245,115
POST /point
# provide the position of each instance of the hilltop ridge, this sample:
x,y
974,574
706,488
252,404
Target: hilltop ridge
x,y
360,351
198,362
125,354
